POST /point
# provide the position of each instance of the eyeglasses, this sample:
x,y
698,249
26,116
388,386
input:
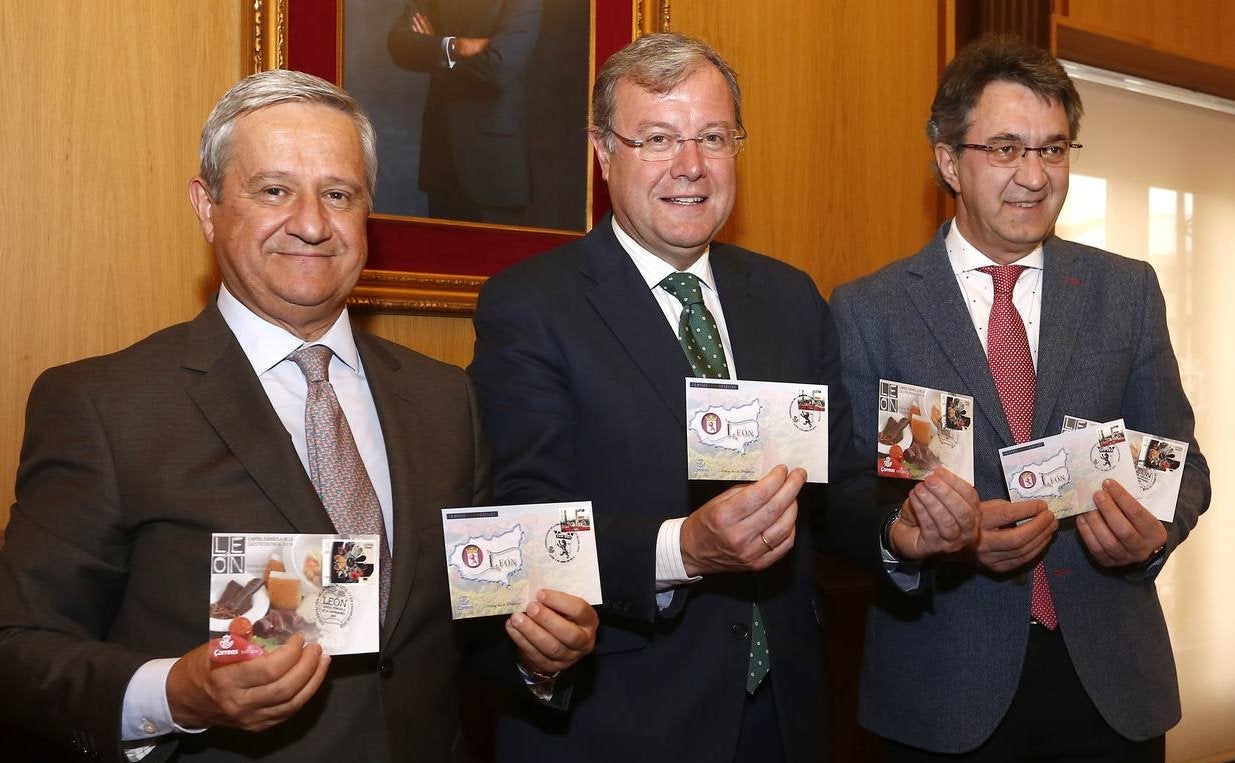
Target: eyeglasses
x,y
1012,153
660,146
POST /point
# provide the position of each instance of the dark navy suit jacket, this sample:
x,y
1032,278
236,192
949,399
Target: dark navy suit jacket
x,y
580,382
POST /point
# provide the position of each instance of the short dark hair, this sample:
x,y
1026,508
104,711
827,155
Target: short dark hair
x,y
996,58
657,63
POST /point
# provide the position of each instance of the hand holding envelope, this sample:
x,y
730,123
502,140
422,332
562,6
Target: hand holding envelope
x,y
554,632
1121,531
747,527
252,695
940,516
1012,534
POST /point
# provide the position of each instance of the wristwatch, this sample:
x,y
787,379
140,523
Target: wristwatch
x,y
452,49
885,533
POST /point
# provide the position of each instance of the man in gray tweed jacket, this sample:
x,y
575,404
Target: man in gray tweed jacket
x,y
956,667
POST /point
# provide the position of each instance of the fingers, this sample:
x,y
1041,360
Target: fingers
x,y
998,513
1013,534
250,695
1121,531
745,501
420,24
945,508
774,550
281,699
554,632
748,527
773,509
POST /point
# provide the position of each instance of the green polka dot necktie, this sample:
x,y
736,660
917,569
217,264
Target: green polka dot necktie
x,y
697,329
700,338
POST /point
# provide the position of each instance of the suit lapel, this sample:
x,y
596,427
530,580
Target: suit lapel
x,y
231,398
1063,298
746,321
624,303
931,286
394,396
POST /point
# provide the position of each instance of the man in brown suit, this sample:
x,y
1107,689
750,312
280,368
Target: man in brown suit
x,y
131,460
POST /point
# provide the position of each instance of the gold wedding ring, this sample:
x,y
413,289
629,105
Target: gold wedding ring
x,y
764,538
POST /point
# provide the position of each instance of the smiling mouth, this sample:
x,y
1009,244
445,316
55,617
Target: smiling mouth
x,y
684,201
1024,204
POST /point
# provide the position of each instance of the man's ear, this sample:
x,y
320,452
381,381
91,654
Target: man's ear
x,y
945,160
203,206
602,151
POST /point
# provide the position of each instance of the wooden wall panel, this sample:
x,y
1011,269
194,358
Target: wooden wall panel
x,y
835,178
441,337
1200,29
104,102
1189,43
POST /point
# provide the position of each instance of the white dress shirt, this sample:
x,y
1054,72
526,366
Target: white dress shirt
x,y
978,292
670,570
978,289
145,713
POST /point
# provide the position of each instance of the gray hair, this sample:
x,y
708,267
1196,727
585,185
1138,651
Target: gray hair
x,y
269,88
657,63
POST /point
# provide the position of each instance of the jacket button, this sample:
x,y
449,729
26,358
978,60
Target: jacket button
x,y
740,631
386,668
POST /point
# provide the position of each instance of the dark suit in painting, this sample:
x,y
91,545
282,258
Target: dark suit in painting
x,y
131,460
580,382
941,668
473,146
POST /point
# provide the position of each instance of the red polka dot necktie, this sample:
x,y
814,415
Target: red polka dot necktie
x,y
700,339
335,467
1007,352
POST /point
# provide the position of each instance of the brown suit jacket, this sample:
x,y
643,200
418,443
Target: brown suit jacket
x,y
131,460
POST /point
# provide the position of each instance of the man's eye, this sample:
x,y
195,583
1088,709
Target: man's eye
x,y
1055,150
713,138
274,192
1005,149
657,139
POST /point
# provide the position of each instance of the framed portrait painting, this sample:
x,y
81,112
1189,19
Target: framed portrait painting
x,y
481,113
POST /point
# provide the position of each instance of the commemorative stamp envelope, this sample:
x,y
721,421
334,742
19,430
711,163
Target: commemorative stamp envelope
x,y
922,429
1157,461
266,587
738,430
498,557
1066,469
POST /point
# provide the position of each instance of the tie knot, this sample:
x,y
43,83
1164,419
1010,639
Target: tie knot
x,y
684,286
1004,276
314,362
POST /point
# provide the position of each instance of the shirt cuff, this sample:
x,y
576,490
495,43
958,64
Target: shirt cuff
x,y
670,570
540,686
907,576
145,713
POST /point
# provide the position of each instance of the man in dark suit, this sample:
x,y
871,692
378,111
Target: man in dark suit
x,y
969,669
579,370
131,460
473,144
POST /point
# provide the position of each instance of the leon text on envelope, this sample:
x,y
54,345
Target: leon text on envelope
x,y
738,430
1065,470
498,557
267,587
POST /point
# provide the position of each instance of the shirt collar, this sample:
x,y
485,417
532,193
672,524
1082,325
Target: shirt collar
x,y
965,257
266,345
654,269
